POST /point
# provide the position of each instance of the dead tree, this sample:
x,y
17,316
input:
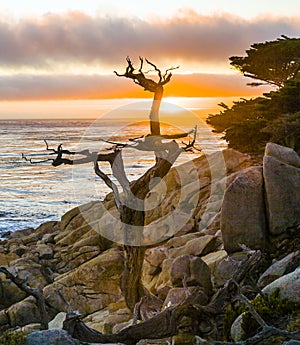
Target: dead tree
x,y
131,204
149,85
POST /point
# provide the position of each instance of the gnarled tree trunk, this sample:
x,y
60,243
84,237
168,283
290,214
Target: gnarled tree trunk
x,y
154,113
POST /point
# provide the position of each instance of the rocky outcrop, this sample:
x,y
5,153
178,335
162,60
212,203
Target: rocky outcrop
x,y
262,201
282,183
75,258
243,212
90,287
28,268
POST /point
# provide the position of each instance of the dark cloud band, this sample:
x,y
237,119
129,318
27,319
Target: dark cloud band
x,y
78,38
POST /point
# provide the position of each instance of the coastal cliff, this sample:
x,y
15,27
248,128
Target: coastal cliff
x,y
236,207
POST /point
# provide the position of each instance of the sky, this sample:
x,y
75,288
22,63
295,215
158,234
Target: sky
x,y
63,50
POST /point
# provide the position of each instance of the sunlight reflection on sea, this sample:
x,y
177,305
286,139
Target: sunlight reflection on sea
x,y
31,194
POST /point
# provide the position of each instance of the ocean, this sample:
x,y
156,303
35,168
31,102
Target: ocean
x,y
31,194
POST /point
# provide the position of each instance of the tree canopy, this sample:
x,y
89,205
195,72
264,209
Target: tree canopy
x,y
275,116
272,62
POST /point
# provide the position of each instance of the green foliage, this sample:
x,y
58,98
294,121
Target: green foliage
x,y
249,124
240,136
294,324
271,310
285,130
242,110
273,62
230,315
12,338
284,101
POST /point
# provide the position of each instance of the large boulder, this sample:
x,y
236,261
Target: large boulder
x,y
177,295
193,193
193,270
79,239
23,312
51,337
242,216
105,319
237,333
27,269
283,154
91,286
289,286
277,269
197,246
282,184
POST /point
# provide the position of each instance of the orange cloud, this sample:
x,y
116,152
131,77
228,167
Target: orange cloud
x,y
66,87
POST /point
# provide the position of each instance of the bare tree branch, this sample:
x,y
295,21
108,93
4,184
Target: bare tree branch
x,y
190,146
138,142
138,76
109,183
30,160
156,69
236,294
36,293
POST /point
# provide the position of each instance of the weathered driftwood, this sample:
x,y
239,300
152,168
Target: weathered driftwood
x,y
36,293
167,322
162,325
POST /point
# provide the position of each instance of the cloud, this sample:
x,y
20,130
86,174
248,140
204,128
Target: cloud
x,y
55,41
75,37
63,87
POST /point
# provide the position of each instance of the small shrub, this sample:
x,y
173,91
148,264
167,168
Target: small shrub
x,y
231,314
12,338
271,310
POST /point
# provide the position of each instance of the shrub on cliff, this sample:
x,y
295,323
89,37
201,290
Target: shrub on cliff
x,y
249,124
12,338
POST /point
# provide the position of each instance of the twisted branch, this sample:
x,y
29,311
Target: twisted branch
x,y
138,75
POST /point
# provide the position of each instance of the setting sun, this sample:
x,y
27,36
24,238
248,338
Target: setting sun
x,y
65,51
